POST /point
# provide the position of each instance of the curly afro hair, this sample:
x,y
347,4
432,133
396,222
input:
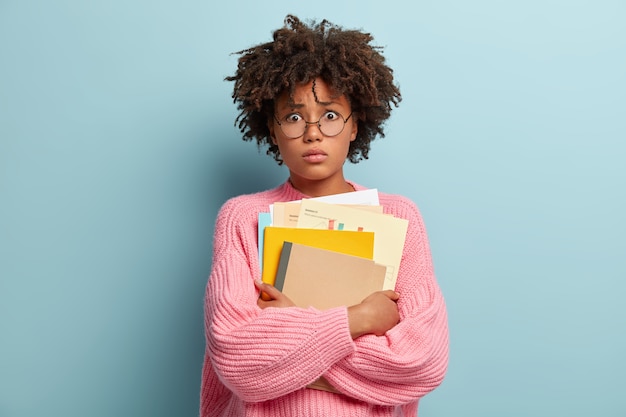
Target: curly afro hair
x,y
299,53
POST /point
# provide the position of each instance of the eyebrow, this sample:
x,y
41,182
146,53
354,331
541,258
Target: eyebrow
x,y
299,105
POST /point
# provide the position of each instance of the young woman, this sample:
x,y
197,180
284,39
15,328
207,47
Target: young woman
x,y
316,96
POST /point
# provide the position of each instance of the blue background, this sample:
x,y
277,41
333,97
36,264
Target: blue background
x,y
117,147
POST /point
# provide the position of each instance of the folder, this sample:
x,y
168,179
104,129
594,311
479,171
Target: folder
x,y
265,219
348,242
323,279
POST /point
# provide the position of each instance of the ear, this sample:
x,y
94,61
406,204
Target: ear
x,y
355,129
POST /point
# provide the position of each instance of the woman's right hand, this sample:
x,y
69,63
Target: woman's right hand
x,y
376,314
270,296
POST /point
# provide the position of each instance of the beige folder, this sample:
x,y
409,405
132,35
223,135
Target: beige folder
x,y
320,278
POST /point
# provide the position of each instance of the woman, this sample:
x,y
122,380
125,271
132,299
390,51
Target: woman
x,y
316,96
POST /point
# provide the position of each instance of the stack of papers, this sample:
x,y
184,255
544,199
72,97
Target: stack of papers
x,y
330,251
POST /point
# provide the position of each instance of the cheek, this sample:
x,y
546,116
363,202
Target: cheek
x,y
283,147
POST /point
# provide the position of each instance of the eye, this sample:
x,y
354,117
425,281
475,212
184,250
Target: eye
x,y
292,118
331,116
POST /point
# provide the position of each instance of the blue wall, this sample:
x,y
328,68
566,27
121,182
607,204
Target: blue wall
x,y
117,147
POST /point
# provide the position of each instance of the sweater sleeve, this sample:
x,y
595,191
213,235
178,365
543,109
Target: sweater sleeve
x,y
411,359
262,354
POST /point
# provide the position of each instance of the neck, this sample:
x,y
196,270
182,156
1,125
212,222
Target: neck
x,y
321,188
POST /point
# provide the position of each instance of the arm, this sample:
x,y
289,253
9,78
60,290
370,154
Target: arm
x,y
376,314
261,354
410,360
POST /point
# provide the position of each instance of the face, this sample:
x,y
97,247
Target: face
x,y
315,160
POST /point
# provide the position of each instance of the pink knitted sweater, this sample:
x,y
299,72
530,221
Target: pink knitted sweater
x,y
258,362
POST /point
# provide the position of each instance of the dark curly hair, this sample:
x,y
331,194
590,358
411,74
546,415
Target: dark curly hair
x,y
299,53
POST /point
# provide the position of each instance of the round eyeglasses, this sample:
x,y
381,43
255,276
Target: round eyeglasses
x,y
330,124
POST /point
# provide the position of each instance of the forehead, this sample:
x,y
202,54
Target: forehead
x,y
315,91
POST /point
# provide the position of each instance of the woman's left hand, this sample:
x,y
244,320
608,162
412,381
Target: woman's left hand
x,y
276,298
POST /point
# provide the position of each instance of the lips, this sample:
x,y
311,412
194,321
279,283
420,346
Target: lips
x,y
314,155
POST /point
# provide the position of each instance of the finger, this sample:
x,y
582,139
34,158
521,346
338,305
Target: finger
x,y
263,296
392,295
267,289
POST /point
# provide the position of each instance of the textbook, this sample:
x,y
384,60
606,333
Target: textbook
x,y
324,279
348,242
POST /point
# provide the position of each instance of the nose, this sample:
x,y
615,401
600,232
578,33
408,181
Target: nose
x,y
312,132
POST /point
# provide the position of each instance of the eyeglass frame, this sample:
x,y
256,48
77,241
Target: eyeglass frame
x,y
307,123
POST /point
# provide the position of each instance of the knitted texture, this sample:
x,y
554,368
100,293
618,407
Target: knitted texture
x,y
258,362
